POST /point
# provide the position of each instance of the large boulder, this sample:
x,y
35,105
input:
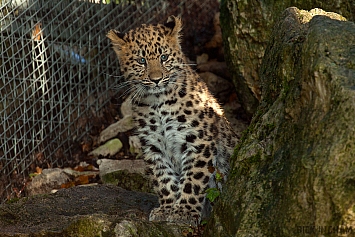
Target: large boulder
x,y
246,27
293,174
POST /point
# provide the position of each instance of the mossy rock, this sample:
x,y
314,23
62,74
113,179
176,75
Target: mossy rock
x,y
128,180
293,172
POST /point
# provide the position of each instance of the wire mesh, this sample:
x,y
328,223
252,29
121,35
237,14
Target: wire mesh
x,y
57,73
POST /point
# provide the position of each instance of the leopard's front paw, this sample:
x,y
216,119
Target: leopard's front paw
x,y
159,214
182,215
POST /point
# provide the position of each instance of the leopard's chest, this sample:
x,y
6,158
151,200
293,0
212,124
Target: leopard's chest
x,y
164,125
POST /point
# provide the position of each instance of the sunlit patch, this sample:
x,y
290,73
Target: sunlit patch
x,y
212,103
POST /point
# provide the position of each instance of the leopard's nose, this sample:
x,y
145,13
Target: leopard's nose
x,y
156,81
156,77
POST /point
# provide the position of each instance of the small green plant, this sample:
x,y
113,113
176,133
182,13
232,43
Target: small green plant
x,y
219,177
212,194
203,222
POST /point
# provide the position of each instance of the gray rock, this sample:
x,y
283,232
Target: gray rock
x,y
128,174
110,148
293,172
107,166
203,58
123,125
48,180
218,68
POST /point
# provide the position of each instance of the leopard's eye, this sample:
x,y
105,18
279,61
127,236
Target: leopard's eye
x,y
163,57
141,60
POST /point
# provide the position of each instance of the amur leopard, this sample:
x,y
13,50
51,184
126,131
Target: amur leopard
x,y
185,137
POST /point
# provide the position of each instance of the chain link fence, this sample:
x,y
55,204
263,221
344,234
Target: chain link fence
x,y
57,74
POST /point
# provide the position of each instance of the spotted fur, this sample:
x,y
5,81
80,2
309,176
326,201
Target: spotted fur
x,y
184,135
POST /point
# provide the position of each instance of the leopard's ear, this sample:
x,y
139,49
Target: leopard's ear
x,y
116,38
174,23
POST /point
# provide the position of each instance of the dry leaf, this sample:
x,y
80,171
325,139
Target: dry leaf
x,y
68,185
38,170
37,32
211,169
82,179
79,168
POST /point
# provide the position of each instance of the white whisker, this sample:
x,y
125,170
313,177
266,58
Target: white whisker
x,y
135,95
139,94
121,85
113,75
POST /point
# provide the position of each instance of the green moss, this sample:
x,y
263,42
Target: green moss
x,y
12,200
243,167
148,229
86,227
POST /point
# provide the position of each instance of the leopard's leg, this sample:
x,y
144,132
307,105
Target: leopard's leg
x,y
194,182
165,182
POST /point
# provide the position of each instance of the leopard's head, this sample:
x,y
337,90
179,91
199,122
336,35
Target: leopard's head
x,y
150,56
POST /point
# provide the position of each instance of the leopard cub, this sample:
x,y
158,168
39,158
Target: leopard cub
x,y
185,137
